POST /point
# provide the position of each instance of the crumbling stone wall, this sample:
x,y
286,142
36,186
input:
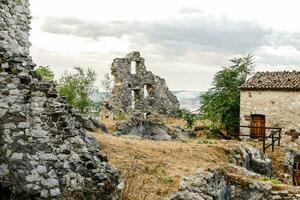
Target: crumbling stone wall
x,y
44,152
139,91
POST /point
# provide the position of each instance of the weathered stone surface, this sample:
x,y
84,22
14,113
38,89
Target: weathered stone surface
x,y
218,185
289,158
91,124
141,91
44,151
147,129
252,159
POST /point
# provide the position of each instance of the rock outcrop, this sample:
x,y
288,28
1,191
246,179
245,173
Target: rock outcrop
x,y
147,129
218,185
250,158
44,152
91,124
138,91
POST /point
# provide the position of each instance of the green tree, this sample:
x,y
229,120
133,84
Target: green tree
x,y
46,73
221,104
78,87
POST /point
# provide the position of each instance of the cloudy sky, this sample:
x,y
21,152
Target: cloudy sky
x,y
184,41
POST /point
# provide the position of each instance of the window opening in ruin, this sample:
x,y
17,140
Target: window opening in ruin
x,y
296,171
146,94
132,99
133,67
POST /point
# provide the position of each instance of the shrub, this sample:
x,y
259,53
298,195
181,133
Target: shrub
x,y
46,73
189,117
78,88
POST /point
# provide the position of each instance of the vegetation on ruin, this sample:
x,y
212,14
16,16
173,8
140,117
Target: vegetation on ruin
x,y
46,73
78,87
220,104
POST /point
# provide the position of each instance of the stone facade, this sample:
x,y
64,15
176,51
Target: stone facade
x,y
274,97
138,91
44,152
280,108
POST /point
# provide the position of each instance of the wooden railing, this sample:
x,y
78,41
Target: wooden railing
x,y
274,135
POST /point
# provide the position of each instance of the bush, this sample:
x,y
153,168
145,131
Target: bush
x,y
78,88
46,73
189,117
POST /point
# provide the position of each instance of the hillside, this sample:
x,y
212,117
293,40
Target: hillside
x,y
152,170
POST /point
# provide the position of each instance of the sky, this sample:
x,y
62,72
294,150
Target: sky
x,y
184,41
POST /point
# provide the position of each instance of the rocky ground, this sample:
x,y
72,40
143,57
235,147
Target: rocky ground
x,y
155,169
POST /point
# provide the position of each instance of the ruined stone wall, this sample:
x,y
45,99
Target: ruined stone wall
x,y
14,28
140,91
44,152
281,108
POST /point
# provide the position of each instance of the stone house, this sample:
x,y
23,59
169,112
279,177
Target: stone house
x,y
271,99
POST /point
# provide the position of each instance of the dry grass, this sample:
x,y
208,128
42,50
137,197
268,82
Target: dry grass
x,y
152,169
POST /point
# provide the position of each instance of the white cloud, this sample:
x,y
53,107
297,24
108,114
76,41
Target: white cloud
x,y
184,41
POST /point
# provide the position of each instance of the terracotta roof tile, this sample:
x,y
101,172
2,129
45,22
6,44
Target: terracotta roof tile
x,y
281,80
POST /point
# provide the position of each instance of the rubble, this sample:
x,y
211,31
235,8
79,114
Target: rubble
x,y
44,151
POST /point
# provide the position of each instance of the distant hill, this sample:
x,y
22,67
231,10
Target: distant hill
x,y
188,99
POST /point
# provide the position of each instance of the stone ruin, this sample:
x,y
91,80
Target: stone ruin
x,y
44,152
138,91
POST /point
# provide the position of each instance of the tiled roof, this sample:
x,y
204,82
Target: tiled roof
x,y
282,80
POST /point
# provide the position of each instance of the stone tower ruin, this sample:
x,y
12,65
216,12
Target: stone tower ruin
x,y
44,152
139,91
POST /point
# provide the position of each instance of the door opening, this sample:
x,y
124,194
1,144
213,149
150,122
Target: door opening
x,y
258,123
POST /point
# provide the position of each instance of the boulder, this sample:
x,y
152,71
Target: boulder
x,y
91,124
252,159
219,185
147,129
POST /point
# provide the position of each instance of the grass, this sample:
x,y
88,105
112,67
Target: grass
x,y
271,179
206,141
153,169
136,186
